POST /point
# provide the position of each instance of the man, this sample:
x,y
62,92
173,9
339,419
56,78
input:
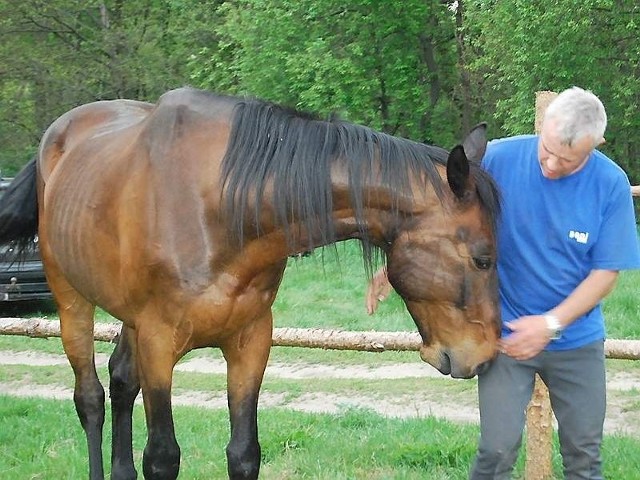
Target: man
x,y
567,228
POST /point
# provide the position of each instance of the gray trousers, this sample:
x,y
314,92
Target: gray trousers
x,y
577,390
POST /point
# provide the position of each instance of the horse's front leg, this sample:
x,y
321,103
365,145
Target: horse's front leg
x,y
124,386
246,354
156,358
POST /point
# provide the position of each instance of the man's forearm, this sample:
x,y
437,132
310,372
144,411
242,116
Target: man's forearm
x,y
594,288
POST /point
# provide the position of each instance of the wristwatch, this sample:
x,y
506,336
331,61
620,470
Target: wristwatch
x,y
553,326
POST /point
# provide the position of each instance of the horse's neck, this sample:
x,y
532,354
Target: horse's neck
x,y
381,212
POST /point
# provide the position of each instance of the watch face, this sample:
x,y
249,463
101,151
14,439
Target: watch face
x,y
554,326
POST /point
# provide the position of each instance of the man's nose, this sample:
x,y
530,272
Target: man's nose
x,y
552,162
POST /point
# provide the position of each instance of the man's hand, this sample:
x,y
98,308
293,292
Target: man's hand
x,y
529,335
379,289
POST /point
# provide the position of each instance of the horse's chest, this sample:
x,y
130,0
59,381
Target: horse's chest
x,y
224,307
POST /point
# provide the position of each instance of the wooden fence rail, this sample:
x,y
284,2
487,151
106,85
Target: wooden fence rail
x,y
366,341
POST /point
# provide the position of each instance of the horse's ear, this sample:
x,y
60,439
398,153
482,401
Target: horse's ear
x,y
476,143
458,172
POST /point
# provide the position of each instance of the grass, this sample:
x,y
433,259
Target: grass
x,y
327,290
622,307
353,444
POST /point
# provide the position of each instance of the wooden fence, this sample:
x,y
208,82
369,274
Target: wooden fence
x,y
364,341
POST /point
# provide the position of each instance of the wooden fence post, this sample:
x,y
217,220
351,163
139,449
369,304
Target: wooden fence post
x,y
539,416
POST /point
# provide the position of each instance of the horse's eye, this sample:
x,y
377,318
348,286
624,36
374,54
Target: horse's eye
x,y
483,263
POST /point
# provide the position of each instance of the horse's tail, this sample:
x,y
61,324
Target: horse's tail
x,y
19,208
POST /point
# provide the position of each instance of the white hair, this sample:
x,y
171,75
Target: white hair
x,y
578,113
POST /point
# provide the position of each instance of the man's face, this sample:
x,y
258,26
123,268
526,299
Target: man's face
x,y
558,160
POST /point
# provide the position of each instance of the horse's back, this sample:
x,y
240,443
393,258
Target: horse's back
x,y
123,197
116,118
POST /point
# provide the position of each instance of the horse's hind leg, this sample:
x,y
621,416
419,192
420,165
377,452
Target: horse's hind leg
x,y
246,354
124,386
76,325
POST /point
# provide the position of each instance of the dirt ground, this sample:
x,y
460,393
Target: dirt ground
x,y
623,409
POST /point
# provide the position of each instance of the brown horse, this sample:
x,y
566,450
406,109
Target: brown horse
x,y
178,218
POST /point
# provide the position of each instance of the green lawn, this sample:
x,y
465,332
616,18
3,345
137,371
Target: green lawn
x,y
41,439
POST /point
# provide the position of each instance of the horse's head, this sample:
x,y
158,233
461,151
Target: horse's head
x,y
319,182
443,264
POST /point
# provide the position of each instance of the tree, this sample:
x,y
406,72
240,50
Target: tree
x,y
55,55
389,65
520,47
420,69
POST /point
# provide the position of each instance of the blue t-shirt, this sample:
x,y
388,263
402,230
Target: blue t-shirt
x,y
552,233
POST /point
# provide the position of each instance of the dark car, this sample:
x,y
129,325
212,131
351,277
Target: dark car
x,y
21,276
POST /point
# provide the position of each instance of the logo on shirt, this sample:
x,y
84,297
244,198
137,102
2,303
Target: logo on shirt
x,y
580,237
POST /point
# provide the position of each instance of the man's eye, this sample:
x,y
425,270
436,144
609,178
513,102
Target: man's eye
x,y
483,263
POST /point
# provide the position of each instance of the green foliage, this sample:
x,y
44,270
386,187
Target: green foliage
x,y
364,60
60,54
422,70
521,47
358,61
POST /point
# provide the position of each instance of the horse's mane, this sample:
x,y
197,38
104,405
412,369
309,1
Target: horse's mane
x,y
293,153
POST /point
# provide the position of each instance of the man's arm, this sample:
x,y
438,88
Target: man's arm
x,y
530,333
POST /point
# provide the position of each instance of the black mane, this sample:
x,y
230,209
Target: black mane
x,y
293,152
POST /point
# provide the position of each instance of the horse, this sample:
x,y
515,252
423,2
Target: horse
x,y
178,218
